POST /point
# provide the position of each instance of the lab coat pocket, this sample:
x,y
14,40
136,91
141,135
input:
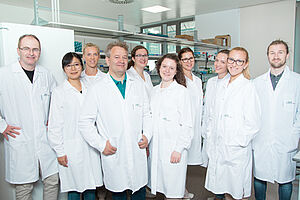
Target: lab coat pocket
x,y
167,147
171,126
22,158
45,98
114,141
74,151
288,104
229,129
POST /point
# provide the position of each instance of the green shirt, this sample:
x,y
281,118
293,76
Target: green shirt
x,y
121,86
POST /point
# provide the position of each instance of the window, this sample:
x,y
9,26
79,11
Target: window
x,y
171,33
153,48
179,27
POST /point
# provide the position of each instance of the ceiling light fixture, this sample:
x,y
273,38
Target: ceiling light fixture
x,y
156,9
121,1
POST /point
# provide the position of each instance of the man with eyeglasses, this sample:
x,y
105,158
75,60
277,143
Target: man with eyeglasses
x,y
25,90
120,107
277,141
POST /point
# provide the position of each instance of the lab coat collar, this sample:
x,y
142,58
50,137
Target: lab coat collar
x,y
67,85
17,68
172,85
109,81
83,74
285,74
237,81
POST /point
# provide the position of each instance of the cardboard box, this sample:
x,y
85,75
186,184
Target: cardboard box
x,y
221,40
187,37
226,39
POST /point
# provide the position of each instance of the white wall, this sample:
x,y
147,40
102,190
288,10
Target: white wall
x,y
219,23
259,25
21,15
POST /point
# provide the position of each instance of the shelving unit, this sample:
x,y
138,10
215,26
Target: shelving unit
x,y
132,36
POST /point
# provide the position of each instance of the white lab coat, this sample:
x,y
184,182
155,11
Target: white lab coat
x,y
213,88
26,105
196,95
231,129
277,141
172,131
120,121
91,80
147,82
84,166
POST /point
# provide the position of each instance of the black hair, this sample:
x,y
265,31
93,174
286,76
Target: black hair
x,y
67,59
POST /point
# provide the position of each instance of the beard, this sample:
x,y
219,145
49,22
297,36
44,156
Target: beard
x,y
278,64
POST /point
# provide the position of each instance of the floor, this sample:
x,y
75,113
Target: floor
x,y
195,184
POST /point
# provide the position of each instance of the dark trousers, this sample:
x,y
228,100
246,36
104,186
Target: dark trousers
x,y
138,195
87,195
284,190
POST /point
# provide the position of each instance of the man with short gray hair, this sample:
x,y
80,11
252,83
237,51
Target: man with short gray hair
x,y
120,107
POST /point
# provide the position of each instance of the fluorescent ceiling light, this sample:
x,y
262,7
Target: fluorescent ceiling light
x,y
155,9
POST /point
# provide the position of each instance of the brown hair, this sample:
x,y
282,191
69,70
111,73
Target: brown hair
x,y
225,51
133,52
28,35
246,72
179,76
185,50
87,45
276,42
115,44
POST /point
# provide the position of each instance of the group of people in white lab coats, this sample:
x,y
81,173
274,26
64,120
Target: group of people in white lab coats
x,y
117,130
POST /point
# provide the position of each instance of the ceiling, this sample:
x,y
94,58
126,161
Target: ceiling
x,y
132,13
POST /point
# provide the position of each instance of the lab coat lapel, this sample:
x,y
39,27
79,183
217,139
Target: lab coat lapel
x,y
21,75
129,83
114,88
283,81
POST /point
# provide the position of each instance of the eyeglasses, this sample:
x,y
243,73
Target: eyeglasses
x,y
190,59
238,62
141,56
76,65
28,50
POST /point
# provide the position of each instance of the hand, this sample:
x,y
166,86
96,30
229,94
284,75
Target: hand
x,y
11,131
63,160
175,157
143,142
109,149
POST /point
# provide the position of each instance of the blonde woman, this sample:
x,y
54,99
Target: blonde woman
x,y
231,128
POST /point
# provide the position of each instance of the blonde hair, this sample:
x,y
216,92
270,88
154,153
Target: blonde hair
x,y
87,45
246,72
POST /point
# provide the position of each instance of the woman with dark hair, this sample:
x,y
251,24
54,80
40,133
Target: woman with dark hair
x,y
137,64
232,127
172,129
79,164
194,86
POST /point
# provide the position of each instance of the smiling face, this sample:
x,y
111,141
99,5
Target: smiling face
x,y
29,51
221,63
74,69
91,57
187,61
236,62
277,55
141,58
167,70
117,61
